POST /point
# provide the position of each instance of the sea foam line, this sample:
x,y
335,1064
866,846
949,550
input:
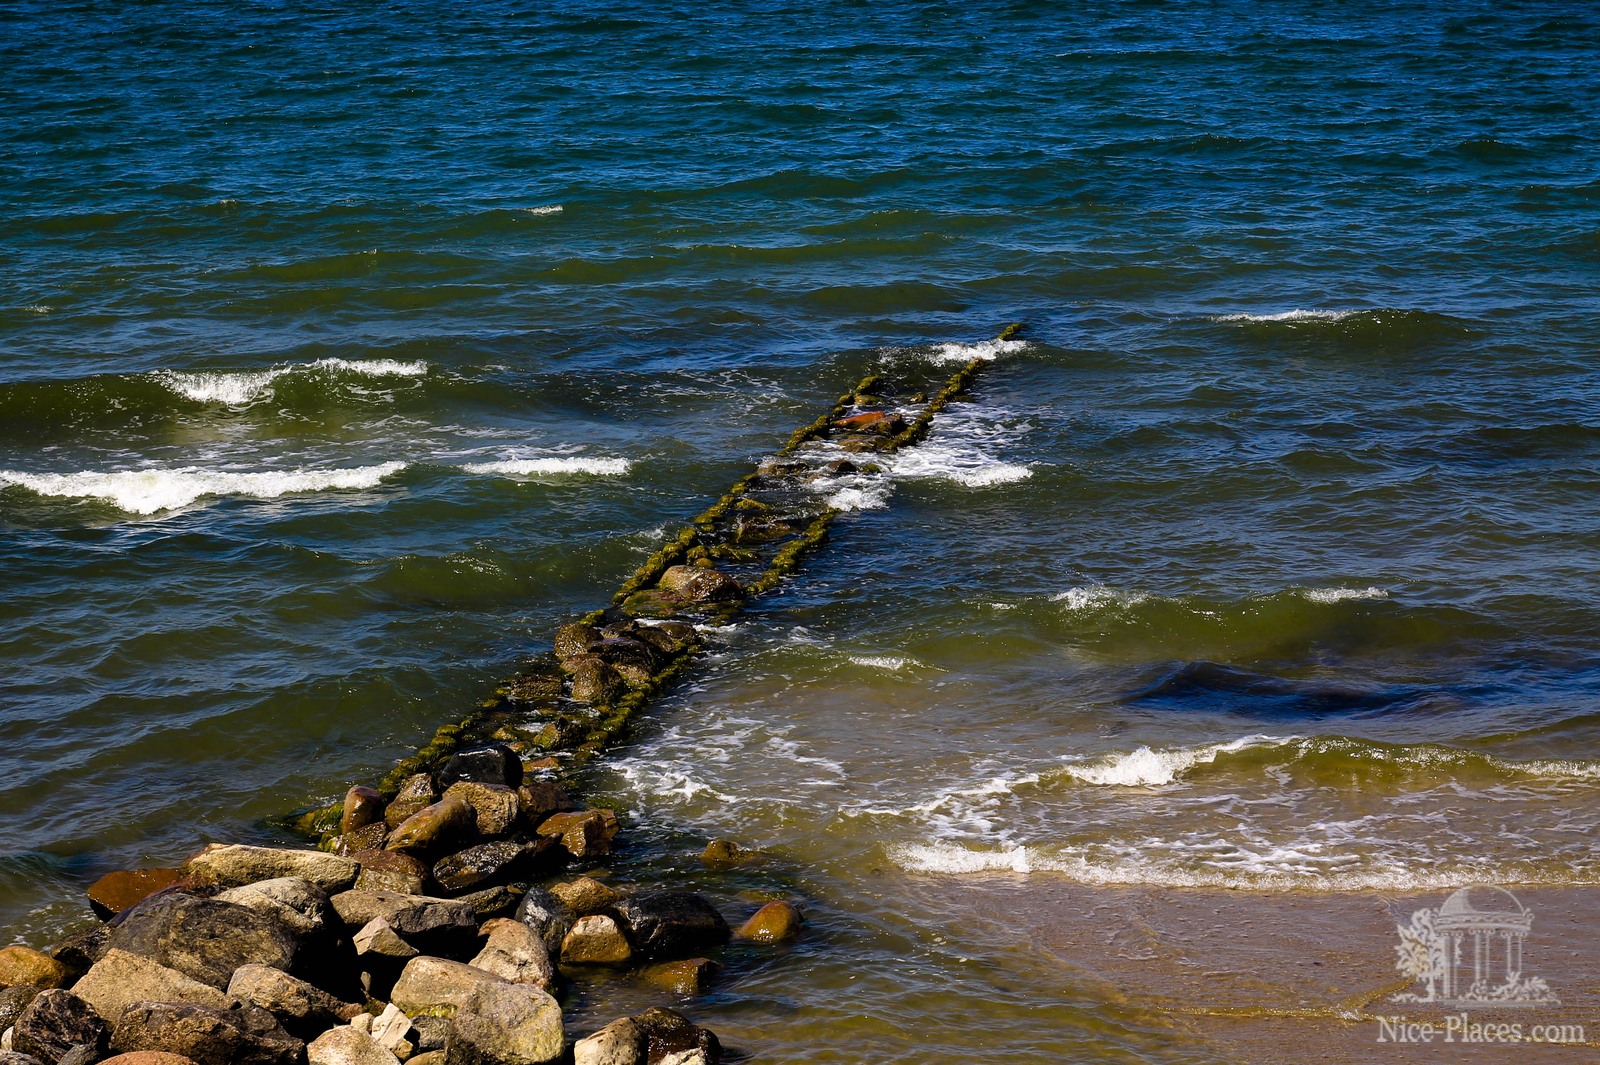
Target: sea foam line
x,y
150,491
237,387
1289,316
551,465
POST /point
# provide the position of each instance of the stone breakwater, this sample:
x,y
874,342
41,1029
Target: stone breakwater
x,y
445,909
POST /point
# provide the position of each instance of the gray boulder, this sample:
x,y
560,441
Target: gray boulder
x,y
244,1036
302,1009
54,1023
505,1024
120,979
230,865
437,986
205,938
672,924
346,1046
621,1042
515,951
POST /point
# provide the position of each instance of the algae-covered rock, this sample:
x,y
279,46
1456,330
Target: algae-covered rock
x,y
573,640
366,838
505,1024
696,585
722,854
595,682
230,865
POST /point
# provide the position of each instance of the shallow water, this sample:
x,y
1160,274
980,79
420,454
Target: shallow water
x,y
343,356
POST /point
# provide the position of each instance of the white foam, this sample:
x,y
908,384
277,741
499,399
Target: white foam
x,y
1097,597
1339,595
988,351
862,493
1288,316
236,388
153,490
946,461
1146,767
37,308
893,663
552,465
549,208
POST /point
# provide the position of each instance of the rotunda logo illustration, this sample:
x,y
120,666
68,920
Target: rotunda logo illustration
x,y
1468,952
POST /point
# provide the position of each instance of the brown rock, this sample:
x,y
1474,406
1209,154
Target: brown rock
x,y
584,833
515,951
440,828
302,1009
24,967
773,923
115,892
698,585
619,1043
378,938
54,1023
876,422
363,806
722,854
585,895
540,799
418,787
688,977
244,1036
474,866
346,1046
495,807
148,1057
79,951
231,865
400,810
669,1033
437,986
596,940
366,838
120,979
393,871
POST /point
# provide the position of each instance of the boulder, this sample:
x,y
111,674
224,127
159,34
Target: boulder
x,y
722,854
669,638
547,916
363,806
426,923
469,868
298,903
586,895
505,1024
582,833
436,986
79,951
573,640
495,806
25,967
120,979
516,953
690,976
447,825
205,938
418,787
622,1042
391,1029
13,1000
147,1057
540,799
491,902
494,763
430,1033
670,1036
773,923
697,585
230,865
244,1036
622,651
115,892
302,1009
54,1023
400,811
876,422
346,1046
366,838
672,924
393,871
596,940
595,682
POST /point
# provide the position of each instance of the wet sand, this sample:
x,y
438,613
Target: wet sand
x,y
1254,977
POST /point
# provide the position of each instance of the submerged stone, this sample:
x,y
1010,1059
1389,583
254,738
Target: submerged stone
x,y
669,924
773,923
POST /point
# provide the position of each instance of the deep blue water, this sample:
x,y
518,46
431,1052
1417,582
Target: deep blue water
x,y
347,349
